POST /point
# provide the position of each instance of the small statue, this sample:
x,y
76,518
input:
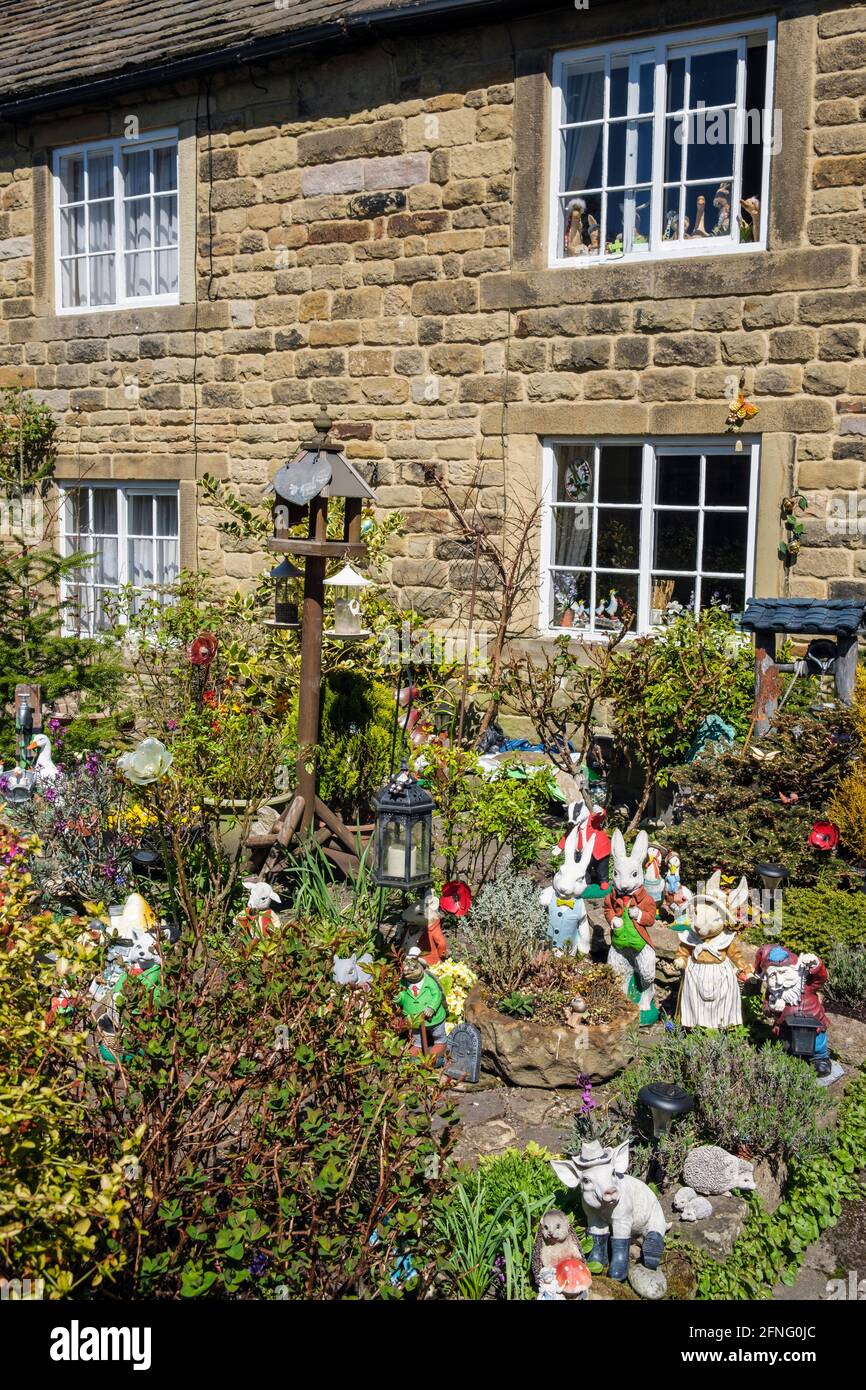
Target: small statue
x,y
722,204
712,964
792,983
349,971
548,1290
567,922
652,874
423,928
676,896
590,823
630,911
258,918
574,244
422,1001
713,1172
558,1248
617,1206
691,1205
750,225
700,212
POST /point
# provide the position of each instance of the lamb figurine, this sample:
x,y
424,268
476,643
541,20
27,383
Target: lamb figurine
x,y
714,1172
691,1206
617,1206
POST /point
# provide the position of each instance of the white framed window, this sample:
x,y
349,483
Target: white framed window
x,y
116,237
644,524
661,147
132,532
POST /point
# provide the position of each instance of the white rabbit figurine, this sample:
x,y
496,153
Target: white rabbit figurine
x,y
567,922
630,912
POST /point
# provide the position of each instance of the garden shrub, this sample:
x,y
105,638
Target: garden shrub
x,y
287,1146
504,932
354,757
848,806
819,919
743,1094
846,969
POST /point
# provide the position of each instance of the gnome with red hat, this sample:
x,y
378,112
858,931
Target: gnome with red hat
x,y
791,990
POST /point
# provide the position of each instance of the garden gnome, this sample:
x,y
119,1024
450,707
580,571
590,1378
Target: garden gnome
x,y
791,987
617,1206
630,912
422,1000
712,964
423,928
258,918
567,922
590,823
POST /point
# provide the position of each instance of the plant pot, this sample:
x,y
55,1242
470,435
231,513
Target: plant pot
x,y
551,1055
566,619
232,815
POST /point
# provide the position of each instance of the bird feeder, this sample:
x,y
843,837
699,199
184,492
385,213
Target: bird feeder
x,y
404,834
285,594
348,585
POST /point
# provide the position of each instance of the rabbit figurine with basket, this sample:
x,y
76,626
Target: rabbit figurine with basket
x,y
630,912
567,922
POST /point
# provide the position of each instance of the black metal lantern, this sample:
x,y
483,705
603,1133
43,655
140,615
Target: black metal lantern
x,y
802,1035
285,594
404,834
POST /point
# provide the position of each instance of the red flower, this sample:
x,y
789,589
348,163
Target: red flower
x,y
824,835
202,649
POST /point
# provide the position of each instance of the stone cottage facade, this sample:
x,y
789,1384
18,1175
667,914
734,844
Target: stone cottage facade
x,y
466,231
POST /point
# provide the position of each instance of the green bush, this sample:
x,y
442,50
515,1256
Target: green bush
x,y
819,919
846,967
757,1095
354,758
504,932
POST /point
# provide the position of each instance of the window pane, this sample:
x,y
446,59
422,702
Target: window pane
x,y
574,471
141,563
77,510
104,511
102,227
167,567
105,565
614,594
582,157
712,157
729,594
619,87
646,85
701,215
671,224
136,172
713,78
100,175
666,590
618,541
725,542
581,219
138,273
727,480
570,600
678,480
166,272
676,541
675,134
137,222
140,516
676,83
73,283
102,290
165,168
71,178
584,93
620,475
71,231
572,536
166,516
165,217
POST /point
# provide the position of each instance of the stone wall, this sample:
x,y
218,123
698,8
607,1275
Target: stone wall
x,y
354,250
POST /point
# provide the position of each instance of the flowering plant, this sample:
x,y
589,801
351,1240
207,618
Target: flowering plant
x,y
147,763
457,980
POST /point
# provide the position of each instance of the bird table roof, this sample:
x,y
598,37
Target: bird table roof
x,y
806,615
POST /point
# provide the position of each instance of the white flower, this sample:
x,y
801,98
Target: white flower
x,y
146,763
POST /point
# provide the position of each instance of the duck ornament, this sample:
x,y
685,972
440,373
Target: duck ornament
x,y
567,922
45,767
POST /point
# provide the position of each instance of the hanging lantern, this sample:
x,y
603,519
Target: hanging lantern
x,y
404,834
347,604
285,594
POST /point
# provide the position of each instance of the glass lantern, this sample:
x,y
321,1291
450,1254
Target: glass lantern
x,y
348,619
285,594
404,834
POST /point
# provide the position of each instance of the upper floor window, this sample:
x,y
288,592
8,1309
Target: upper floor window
x,y
116,224
661,147
641,526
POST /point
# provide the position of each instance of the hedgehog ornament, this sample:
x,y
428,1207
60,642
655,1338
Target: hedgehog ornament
x,y
557,1247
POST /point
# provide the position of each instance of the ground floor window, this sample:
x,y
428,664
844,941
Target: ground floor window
x,y
642,525
132,533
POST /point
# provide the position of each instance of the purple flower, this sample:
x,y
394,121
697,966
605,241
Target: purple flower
x,y
50,793
258,1264
92,764
171,724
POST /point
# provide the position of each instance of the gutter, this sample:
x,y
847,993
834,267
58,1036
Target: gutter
x,y
337,34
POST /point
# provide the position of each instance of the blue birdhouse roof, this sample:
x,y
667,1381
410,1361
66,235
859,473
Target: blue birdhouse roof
x,y
806,615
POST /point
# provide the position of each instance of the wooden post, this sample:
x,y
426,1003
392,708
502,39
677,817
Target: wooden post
x,y
767,684
311,661
845,668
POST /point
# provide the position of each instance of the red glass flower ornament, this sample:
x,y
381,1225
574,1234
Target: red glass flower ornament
x,y
202,649
455,898
824,835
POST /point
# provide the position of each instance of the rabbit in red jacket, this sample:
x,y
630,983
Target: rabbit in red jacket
x,y
631,912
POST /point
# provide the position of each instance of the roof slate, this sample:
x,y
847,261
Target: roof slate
x,y
805,615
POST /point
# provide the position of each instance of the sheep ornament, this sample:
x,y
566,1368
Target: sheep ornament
x,y
567,922
617,1206
258,918
630,912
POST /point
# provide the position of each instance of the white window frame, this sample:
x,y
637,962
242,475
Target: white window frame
x,y
665,48
125,492
117,147
651,446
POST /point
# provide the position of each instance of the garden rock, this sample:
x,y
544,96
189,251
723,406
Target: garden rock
x,y
847,1039
647,1283
718,1233
550,1055
606,1290
770,1183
